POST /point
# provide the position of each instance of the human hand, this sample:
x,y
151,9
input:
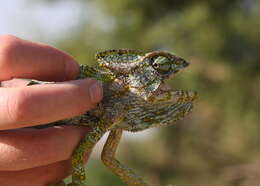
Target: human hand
x,y
33,157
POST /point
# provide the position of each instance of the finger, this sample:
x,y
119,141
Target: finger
x,y
38,176
25,59
15,83
29,148
40,104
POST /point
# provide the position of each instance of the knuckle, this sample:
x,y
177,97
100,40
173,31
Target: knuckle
x,y
18,106
8,46
7,38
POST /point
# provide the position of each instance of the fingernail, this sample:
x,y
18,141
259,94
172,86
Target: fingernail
x,y
95,92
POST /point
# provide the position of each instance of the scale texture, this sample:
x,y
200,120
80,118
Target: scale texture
x,y
135,98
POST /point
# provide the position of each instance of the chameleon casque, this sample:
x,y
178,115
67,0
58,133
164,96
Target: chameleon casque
x,y
135,98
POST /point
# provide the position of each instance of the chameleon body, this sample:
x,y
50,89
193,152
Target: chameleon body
x,y
135,99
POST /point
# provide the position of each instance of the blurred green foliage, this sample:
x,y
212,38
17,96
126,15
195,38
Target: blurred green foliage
x,y
218,144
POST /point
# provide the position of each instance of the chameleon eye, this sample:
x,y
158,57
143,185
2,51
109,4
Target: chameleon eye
x,y
162,65
155,65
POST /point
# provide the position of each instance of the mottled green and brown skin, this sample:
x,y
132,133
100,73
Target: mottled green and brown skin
x,y
135,99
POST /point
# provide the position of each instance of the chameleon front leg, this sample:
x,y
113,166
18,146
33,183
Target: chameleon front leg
x,y
86,144
108,158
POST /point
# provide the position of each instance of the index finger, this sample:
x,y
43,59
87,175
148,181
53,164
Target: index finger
x,y
24,59
40,104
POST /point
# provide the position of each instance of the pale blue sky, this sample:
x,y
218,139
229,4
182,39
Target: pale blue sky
x,y
39,21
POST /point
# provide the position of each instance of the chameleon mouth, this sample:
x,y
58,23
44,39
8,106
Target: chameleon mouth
x,y
165,92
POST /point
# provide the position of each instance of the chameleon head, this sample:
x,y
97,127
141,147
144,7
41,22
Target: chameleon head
x,y
153,69
163,106
143,73
165,63
150,102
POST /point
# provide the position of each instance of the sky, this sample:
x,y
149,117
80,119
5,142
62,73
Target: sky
x,y
39,21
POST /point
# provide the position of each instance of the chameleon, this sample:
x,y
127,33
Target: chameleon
x,y
135,98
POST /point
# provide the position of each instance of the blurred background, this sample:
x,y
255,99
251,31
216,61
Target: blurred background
x,y
219,143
